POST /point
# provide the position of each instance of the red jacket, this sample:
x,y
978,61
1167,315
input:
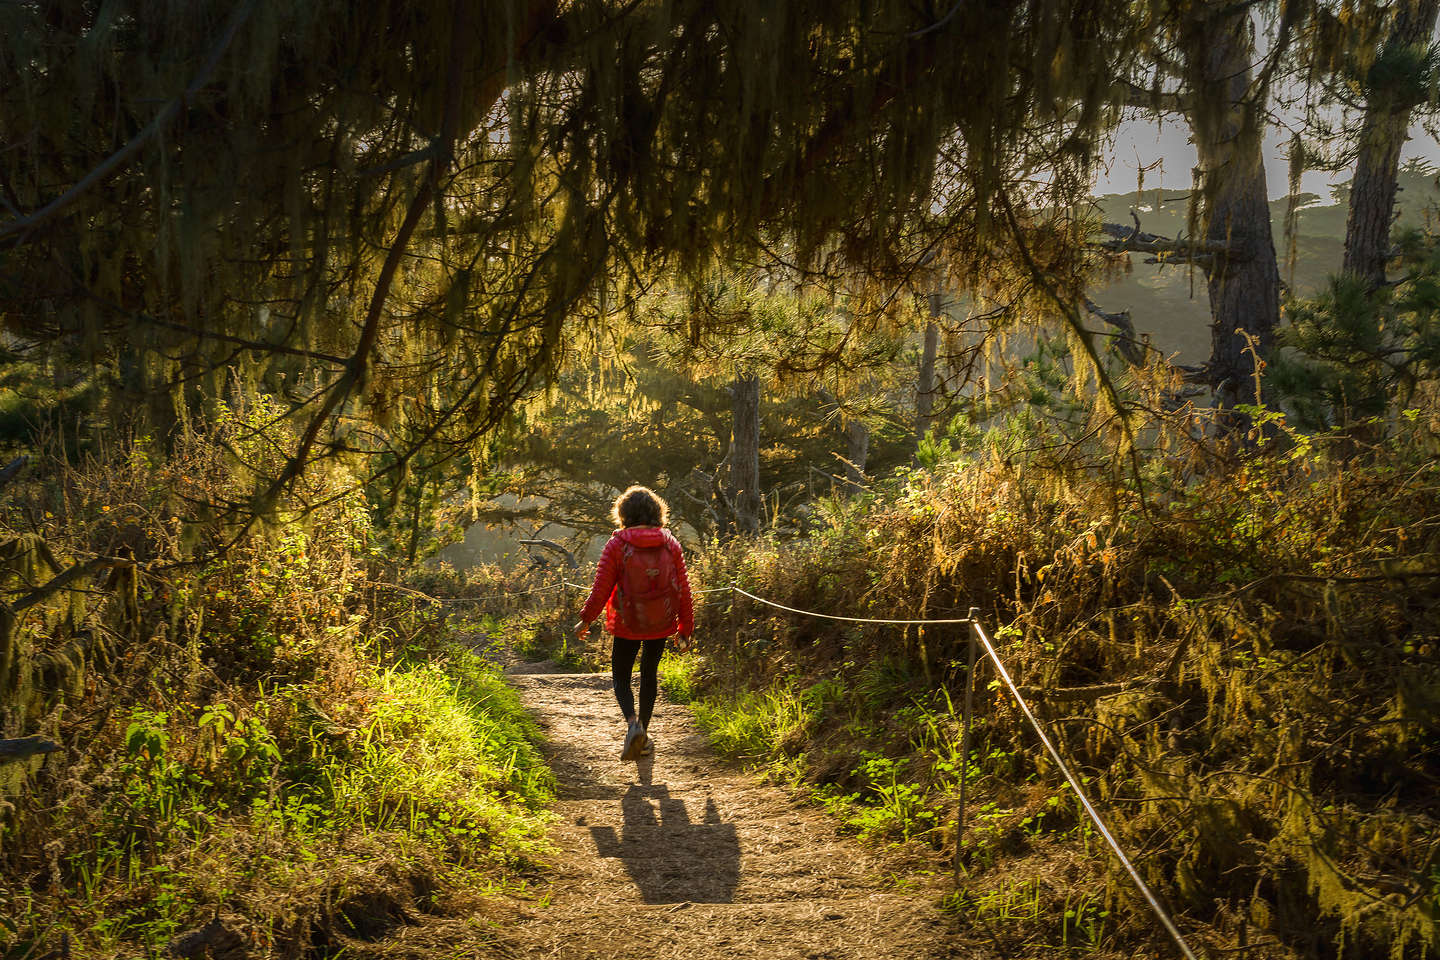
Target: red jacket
x,y
607,576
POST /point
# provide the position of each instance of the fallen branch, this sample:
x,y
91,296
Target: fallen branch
x,y
61,952
63,580
214,940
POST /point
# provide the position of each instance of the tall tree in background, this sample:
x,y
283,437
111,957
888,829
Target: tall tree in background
x,y
1225,109
1401,78
744,456
857,451
1201,67
781,338
925,380
1206,67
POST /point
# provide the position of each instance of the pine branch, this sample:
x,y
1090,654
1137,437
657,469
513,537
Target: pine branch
x,y
913,57
170,112
357,365
1070,315
938,24
1103,382
247,344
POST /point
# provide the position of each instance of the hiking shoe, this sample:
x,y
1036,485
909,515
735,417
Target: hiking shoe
x,y
634,741
649,749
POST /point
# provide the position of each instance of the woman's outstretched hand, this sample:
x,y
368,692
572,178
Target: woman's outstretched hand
x,y
582,629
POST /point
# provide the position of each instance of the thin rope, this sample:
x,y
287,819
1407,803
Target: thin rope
x,y
693,593
1150,897
498,596
425,596
829,616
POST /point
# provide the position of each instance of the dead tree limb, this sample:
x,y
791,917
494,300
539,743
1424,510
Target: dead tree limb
x,y
1160,101
11,469
63,580
23,748
1126,344
1087,694
552,545
1163,249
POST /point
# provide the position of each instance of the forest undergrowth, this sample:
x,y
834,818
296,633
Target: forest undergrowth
x,y
264,749
1239,651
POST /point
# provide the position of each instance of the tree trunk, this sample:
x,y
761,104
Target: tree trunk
x,y
1383,134
414,549
857,449
925,387
1242,275
744,489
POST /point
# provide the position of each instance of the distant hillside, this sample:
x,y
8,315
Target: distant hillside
x,y
1160,298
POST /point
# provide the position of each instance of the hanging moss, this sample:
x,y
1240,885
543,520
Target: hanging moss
x,y
558,157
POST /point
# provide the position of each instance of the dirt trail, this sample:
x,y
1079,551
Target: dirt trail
x,y
687,857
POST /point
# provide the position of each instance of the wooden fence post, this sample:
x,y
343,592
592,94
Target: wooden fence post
x,y
561,605
734,645
965,743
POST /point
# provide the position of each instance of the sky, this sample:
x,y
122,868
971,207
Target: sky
x,y
1144,142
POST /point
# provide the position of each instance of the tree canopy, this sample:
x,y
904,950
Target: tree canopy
x,y
398,216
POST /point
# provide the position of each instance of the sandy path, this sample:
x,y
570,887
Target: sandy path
x,y
686,856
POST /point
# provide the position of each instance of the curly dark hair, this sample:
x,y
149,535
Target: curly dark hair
x,y
639,507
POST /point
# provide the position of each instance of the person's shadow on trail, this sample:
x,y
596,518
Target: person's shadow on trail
x,y
671,859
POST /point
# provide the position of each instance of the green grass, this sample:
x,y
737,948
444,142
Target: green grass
x,y
269,806
890,790
881,756
758,726
448,757
535,636
680,676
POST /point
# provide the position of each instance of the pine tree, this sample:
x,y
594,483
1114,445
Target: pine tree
x,y
1400,79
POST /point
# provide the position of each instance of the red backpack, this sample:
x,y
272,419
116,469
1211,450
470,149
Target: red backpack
x,y
648,587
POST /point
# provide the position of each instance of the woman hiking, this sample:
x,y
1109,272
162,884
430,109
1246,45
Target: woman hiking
x,y
642,585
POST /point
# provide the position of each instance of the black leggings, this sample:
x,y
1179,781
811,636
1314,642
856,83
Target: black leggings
x,y
622,662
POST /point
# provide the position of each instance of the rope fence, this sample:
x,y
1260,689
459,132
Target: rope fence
x,y
976,633
421,595
693,593
831,616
